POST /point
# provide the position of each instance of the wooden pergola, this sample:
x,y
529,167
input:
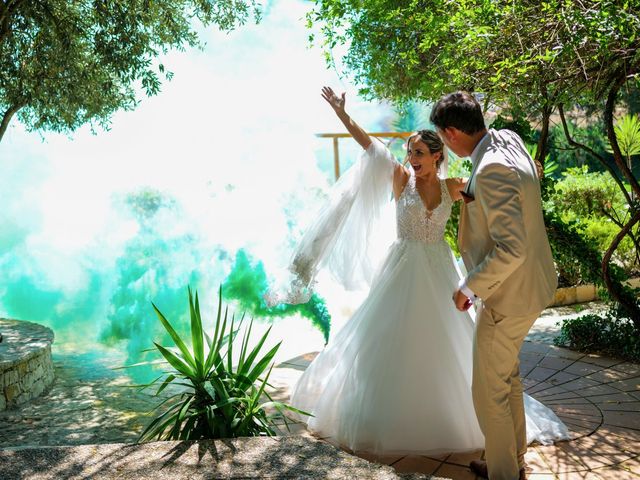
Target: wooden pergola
x,y
336,146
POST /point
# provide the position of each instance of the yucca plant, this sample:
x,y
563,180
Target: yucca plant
x,y
550,166
218,398
627,131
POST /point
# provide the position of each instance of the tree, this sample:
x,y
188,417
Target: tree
x,y
534,57
64,64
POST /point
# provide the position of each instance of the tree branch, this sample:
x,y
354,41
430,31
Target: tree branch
x,y
611,133
621,296
6,118
7,10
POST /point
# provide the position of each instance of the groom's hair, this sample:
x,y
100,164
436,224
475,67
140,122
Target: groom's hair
x,y
459,110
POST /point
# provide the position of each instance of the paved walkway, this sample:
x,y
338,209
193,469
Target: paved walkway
x,y
597,397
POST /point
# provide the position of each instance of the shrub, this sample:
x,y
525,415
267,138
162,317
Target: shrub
x,y
594,205
220,399
610,334
578,259
591,134
515,122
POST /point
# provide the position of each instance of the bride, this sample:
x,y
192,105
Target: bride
x,y
397,377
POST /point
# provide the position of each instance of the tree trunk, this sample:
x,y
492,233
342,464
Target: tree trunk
x,y
621,295
611,134
6,118
544,137
625,298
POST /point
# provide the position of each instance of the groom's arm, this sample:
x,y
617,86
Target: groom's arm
x,y
499,194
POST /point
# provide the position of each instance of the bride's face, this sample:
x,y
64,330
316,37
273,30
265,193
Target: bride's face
x,y
421,159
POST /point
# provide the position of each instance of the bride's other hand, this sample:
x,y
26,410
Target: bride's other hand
x,y
456,186
336,102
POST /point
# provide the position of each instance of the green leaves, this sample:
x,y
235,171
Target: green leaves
x,y
220,399
610,334
64,64
627,131
524,54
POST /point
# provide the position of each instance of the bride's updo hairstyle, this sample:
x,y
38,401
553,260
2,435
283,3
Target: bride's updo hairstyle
x,y
432,141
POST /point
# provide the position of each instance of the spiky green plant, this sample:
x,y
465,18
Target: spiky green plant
x,y
550,166
219,399
627,131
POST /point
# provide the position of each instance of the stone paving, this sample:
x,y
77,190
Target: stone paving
x,y
88,402
597,397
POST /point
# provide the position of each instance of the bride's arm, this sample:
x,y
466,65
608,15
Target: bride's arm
x,y
337,103
456,186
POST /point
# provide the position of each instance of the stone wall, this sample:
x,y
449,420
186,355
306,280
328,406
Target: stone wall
x,y
583,293
26,368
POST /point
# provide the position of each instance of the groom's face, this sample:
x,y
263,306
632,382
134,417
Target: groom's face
x,y
451,138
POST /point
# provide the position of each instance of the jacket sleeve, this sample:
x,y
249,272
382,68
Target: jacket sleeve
x,y
499,195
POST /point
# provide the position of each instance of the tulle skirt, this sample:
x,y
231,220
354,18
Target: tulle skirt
x,y
397,377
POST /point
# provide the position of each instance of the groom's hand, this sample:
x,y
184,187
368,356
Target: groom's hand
x,y
463,303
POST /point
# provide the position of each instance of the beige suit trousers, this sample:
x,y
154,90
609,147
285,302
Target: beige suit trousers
x,y
497,390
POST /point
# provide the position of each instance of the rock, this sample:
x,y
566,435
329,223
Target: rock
x,y
11,393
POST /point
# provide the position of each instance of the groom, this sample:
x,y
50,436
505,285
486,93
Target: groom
x,y
504,245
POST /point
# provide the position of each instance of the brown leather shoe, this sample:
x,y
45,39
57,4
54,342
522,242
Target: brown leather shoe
x,y
479,467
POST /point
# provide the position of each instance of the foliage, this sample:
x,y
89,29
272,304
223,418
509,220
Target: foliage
x,y
518,124
517,53
461,169
630,95
577,258
627,131
221,399
593,202
451,229
590,134
64,64
608,334
581,193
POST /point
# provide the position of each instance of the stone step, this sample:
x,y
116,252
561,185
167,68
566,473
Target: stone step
x,y
26,368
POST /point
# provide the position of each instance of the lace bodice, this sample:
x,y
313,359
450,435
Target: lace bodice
x,y
414,221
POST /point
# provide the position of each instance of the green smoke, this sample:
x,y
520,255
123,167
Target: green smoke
x,y
247,283
155,266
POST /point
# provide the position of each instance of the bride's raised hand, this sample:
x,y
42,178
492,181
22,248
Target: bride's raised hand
x,y
336,102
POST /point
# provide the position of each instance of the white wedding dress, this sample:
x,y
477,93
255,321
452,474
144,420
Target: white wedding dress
x,y
397,377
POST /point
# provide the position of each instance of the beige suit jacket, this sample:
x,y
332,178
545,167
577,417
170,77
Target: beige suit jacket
x,y
501,235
